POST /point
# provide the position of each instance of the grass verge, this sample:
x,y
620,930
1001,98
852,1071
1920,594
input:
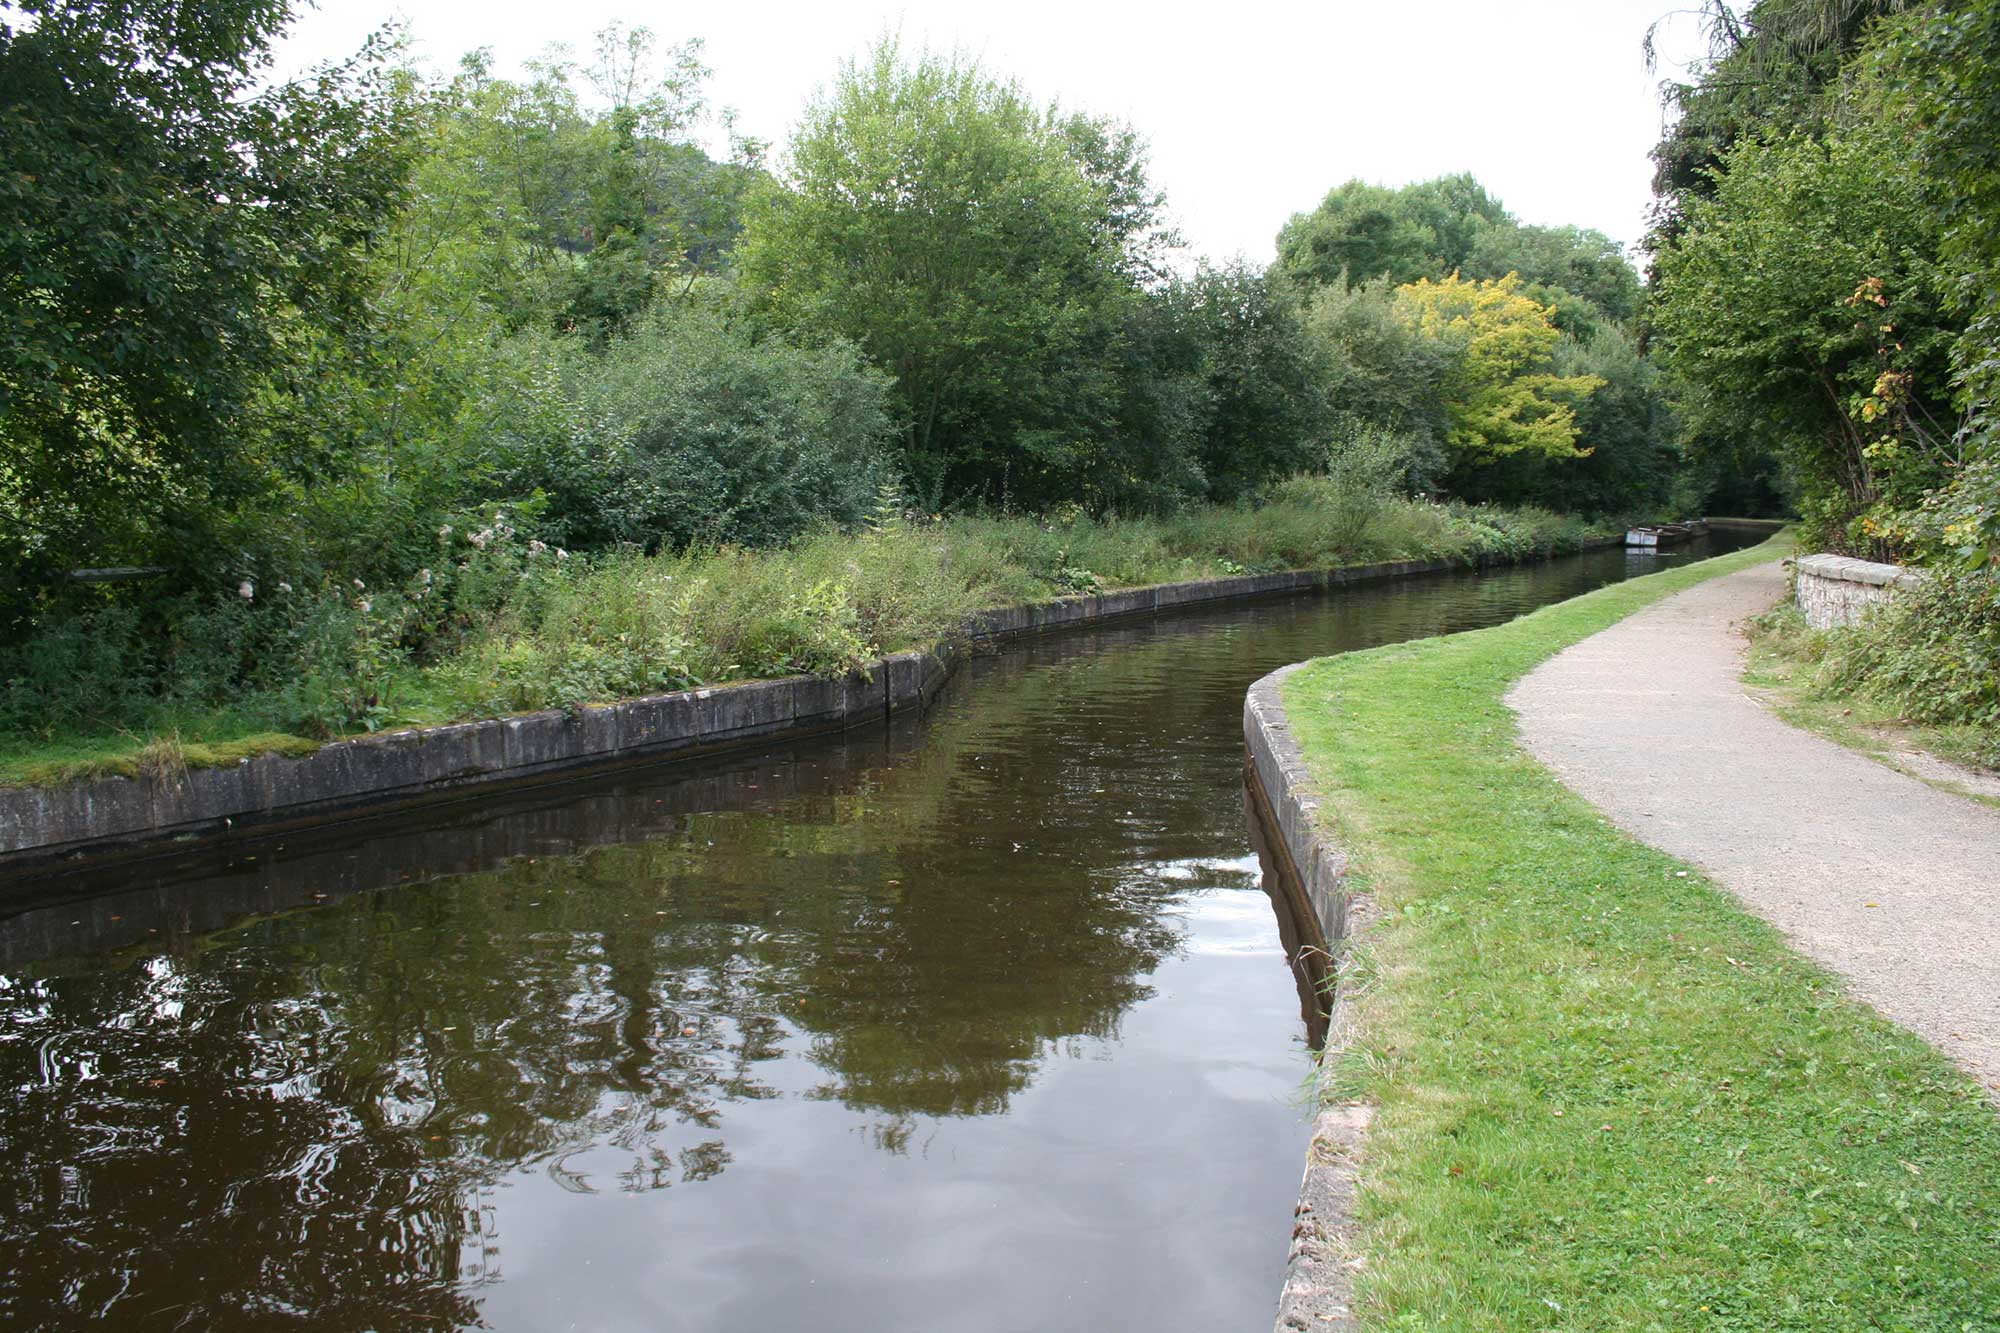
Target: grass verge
x,y
158,756
1608,1097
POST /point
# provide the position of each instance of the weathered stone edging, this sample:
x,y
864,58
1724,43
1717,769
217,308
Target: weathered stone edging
x,y
1312,874
41,825
1838,590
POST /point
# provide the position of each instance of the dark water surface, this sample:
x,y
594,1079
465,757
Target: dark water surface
x,y
975,1023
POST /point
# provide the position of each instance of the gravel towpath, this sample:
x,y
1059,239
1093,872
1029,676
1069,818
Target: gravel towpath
x,y
1893,884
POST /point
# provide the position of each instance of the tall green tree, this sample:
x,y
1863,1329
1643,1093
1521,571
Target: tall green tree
x,y
1360,232
1773,67
981,249
1942,69
172,233
1800,306
1574,260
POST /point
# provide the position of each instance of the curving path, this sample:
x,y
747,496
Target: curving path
x,y
1893,884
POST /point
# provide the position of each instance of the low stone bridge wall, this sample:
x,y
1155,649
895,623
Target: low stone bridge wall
x,y
1838,590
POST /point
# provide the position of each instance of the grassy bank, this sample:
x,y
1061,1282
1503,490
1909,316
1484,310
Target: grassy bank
x,y
498,623
1610,1098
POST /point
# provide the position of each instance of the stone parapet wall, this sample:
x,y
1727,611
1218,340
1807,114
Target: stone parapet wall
x,y
1839,590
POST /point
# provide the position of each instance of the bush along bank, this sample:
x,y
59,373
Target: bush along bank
x,y
1926,664
1604,1095
500,623
172,794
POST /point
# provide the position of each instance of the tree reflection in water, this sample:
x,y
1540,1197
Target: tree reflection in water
x,y
303,1118
336,1117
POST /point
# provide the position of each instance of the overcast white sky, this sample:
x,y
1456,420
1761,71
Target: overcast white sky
x,y
1254,109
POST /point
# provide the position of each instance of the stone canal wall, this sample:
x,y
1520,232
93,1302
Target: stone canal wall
x,y
1311,871
42,828
1836,590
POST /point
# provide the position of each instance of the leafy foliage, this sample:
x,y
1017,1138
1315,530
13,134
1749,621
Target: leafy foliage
x,y
1802,308
1934,654
1361,232
167,228
1502,395
980,249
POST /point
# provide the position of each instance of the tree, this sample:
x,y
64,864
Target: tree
x,y
1501,393
1625,432
1367,231
1358,232
1377,369
1265,379
1801,308
1941,68
1572,260
167,229
980,249
1773,67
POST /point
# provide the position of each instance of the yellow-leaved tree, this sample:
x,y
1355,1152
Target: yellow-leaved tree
x,y
1502,393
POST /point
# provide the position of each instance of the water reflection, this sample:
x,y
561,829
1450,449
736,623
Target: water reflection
x,y
830,1036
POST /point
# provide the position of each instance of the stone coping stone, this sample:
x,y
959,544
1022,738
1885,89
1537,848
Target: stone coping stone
x,y
1318,1291
1846,569
45,824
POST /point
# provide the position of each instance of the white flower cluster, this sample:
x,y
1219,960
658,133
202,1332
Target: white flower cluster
x,y
498,530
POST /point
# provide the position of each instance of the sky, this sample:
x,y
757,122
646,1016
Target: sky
x,y
1254,110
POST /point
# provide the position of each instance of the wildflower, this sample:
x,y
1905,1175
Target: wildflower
x,y
535,548
425,575
359,584
444,532
366,606
284,587
481,537
246,590
561,554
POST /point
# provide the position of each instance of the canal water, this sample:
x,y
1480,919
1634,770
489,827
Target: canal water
x,y
977,1022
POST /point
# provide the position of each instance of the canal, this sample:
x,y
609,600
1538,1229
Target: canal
x,y
976,1022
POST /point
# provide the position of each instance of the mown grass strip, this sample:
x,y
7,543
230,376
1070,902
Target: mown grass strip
x,y
1609,1097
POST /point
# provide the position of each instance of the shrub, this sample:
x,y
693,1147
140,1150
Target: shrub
x,y
89,669
1933,654
685,431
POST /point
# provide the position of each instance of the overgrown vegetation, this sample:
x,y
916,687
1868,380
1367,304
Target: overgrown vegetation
x,y
1608,1096
501,622
515,367
1929,661
1824,299
1826,265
